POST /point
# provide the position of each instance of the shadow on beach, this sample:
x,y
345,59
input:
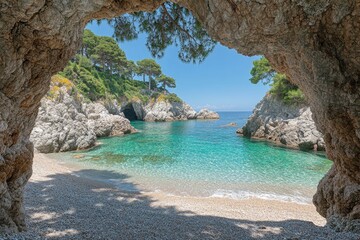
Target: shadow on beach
x,y
71,206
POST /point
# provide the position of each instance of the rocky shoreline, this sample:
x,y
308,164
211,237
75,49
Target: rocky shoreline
x,y
288,125
67,122
163,110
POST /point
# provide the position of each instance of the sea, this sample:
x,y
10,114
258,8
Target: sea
x,y
202,158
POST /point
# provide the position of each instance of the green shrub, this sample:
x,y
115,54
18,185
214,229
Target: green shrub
x,y
85,62
101,70
155,95
294,97
281,87
172,97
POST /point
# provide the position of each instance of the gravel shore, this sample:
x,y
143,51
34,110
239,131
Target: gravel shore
x,y
63,204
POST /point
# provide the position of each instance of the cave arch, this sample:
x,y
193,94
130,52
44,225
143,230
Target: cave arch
x,y
314,42
130,113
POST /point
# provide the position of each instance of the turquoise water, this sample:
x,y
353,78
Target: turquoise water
x,y
206,158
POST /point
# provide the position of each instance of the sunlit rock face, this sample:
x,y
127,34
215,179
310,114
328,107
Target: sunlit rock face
x,y
168,111
164,110
207,114
290,125
66,123
314,42
158,111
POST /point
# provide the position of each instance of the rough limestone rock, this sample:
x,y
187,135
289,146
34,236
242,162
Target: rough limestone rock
x,y
285,124
160,110
164,110
65,124
61,126
315,43
105,124
207,114
113,107
139,109
168,111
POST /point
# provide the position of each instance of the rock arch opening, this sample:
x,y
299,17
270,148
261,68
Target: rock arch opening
x,y
130,113
315,44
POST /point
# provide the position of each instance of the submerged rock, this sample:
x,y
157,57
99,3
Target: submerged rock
x,y
288,125
65,123
232,124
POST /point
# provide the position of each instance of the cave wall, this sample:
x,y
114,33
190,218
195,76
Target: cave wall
x,y
37,38
314,42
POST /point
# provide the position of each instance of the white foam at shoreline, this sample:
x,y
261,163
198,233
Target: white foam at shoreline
x,y
221,193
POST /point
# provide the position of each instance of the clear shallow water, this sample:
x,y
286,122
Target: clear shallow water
x,y
205,158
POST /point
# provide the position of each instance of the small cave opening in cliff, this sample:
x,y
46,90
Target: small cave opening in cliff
x,y
130,113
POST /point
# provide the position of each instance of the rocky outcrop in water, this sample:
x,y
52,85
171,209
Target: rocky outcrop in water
x,y
289,125
168,111
207,114
66,123
164,110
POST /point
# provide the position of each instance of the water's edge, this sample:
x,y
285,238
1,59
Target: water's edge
x,y
202,159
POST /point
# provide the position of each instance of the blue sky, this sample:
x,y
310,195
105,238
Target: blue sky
x,y
220,83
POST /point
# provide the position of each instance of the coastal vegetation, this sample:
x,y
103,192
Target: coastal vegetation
x,y
281,87
170,24
101,71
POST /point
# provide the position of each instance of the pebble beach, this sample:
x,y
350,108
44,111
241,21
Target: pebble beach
x,y
61,204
